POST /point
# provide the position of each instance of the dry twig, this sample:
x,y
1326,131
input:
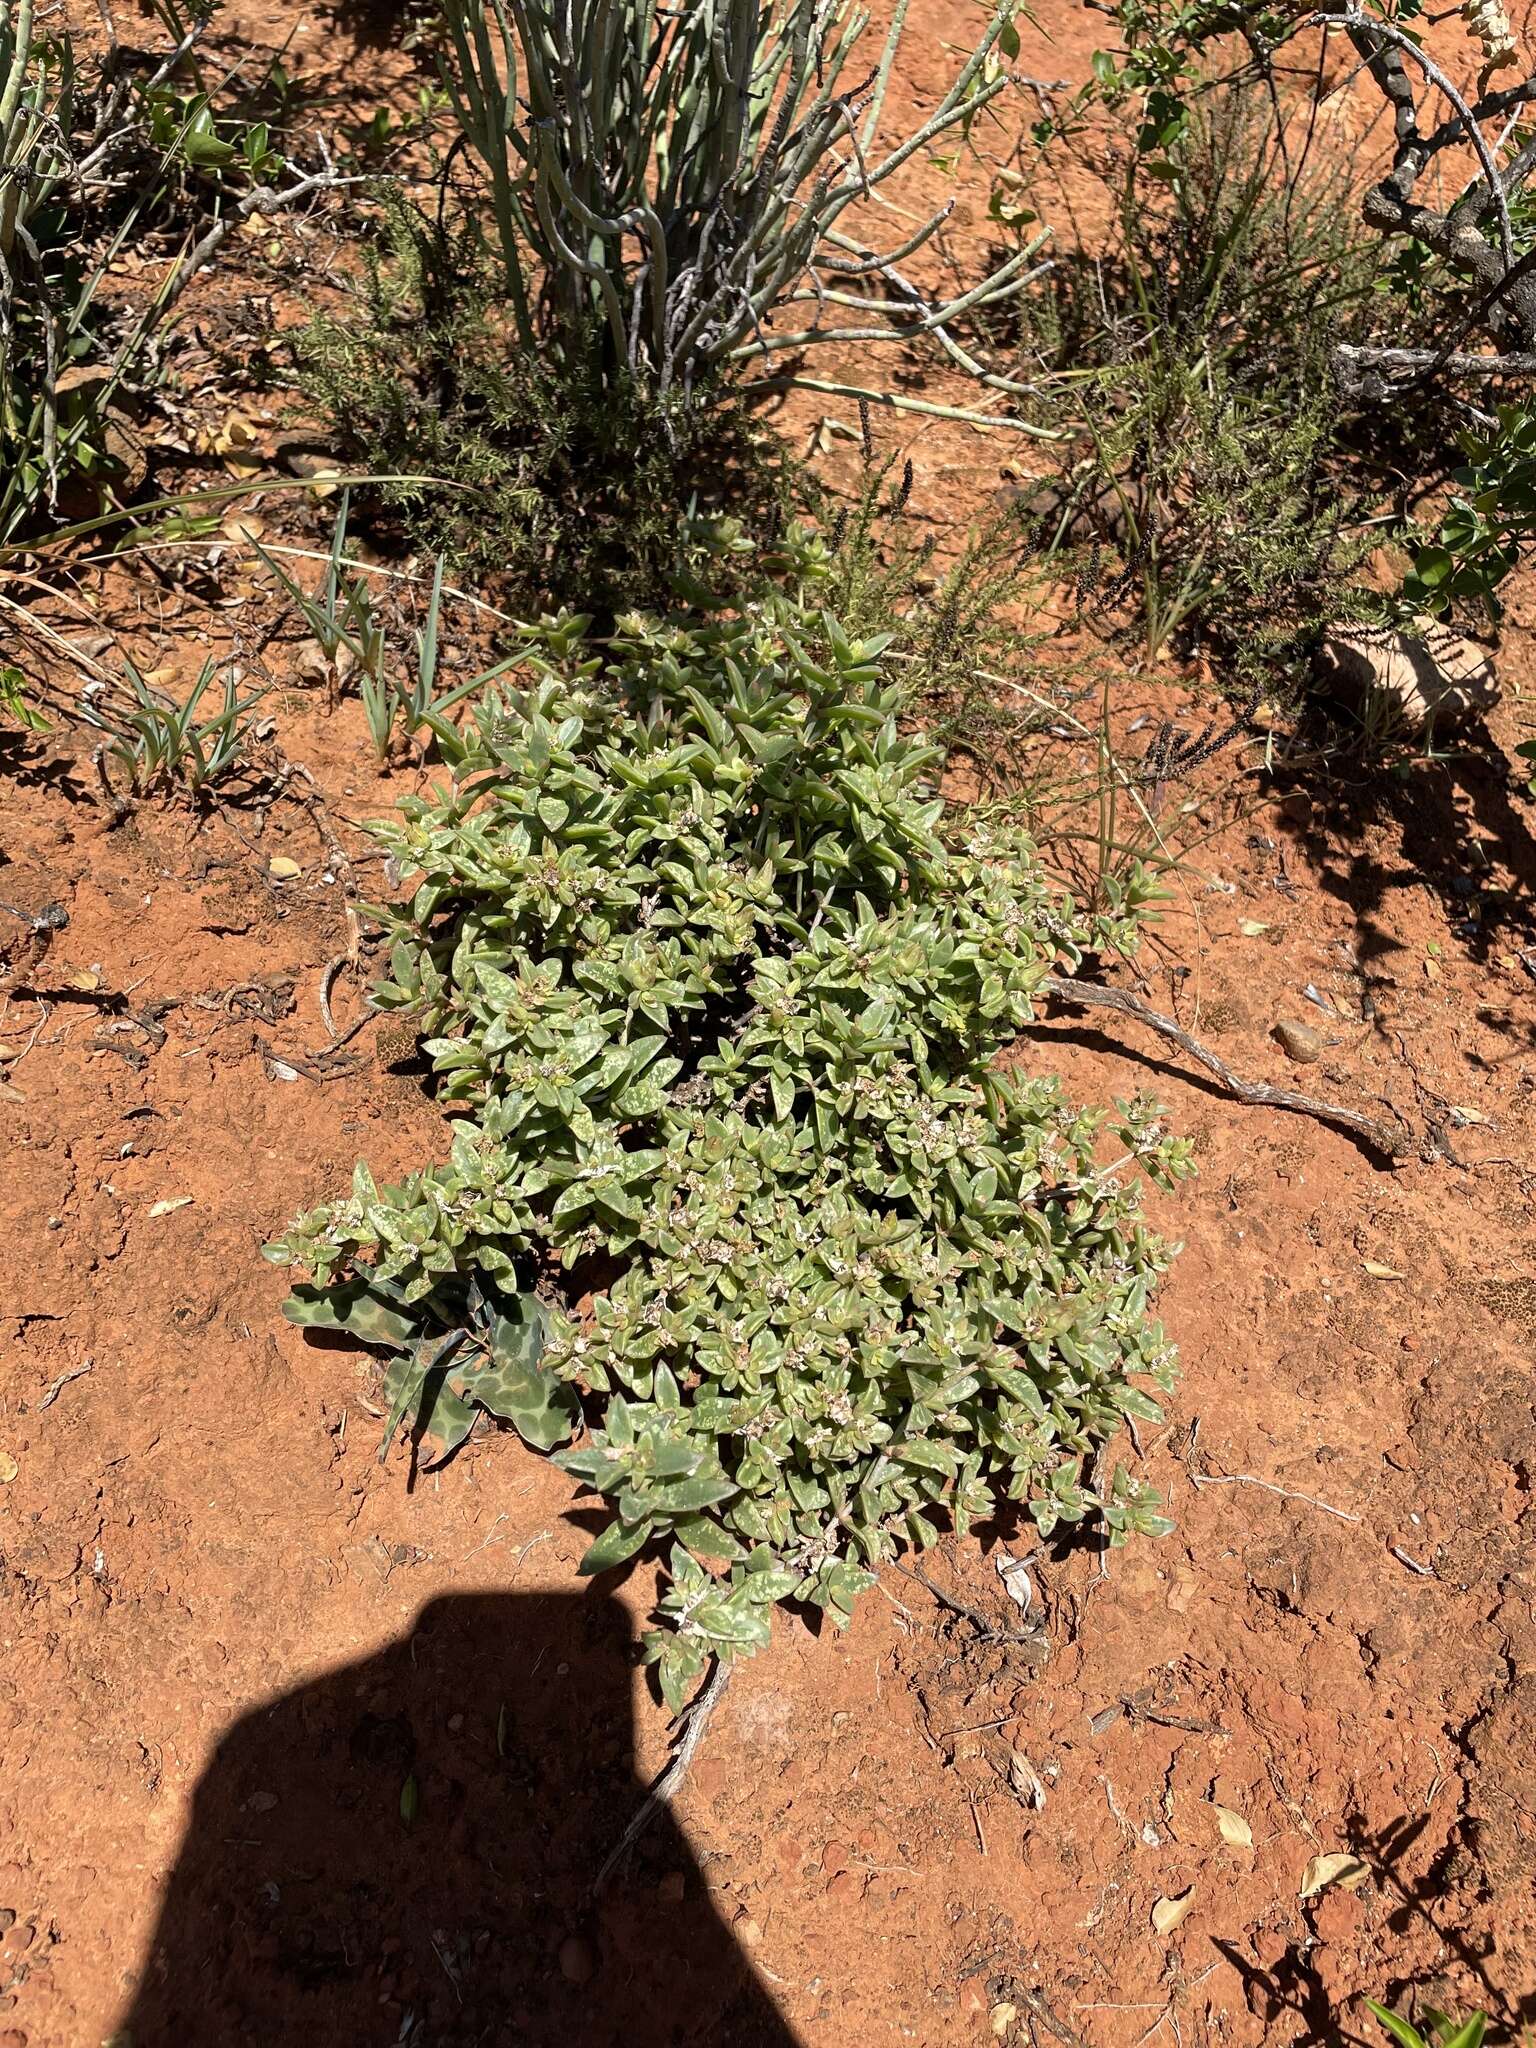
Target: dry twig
x,y
1392,1140
692,1722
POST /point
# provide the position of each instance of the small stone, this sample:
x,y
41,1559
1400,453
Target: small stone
x,y
844,1887
1410,1343
746,1929
1300,1041
1408,682
262,1802
834,1857
670,1890
577,1962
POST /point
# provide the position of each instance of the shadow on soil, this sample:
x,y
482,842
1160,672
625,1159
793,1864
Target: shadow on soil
x,y
404,1851
1295,1984
1457,820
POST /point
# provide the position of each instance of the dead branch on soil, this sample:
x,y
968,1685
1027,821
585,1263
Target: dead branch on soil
x,y
1198,1479
692,1722
1392,1140
1048,2019
988,1631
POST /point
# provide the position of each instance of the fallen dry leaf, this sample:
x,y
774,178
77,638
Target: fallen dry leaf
x,y
165,1208
1250,927
1338,1867
1017,1584
1378,1271
8,1468
282,869
1003,2016
1025,1780
243,526
1168,1912
236,441
83,978
1235,1831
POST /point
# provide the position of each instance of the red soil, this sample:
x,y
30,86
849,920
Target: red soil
x,y
212,1701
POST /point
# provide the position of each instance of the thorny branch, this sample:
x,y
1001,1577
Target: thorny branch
x,y
1473,234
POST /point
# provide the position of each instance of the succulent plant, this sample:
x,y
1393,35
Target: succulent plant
x,y
716,986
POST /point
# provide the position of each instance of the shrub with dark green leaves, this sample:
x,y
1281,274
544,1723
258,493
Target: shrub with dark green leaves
x,y
717,985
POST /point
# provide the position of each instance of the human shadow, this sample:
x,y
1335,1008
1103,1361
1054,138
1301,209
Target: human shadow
x,y
403,1851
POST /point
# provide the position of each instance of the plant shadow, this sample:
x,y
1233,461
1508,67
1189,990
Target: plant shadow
x,y
1456,819
404,1850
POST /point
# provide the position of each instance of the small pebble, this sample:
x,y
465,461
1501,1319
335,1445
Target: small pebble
x,y
1300,1041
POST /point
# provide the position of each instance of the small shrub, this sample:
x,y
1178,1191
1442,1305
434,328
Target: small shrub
x,y
962,637
716,986
1447,270
1488,524
643,228
1021,734
662,184
94,152
1208,452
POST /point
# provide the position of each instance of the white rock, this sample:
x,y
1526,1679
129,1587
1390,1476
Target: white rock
x,y
1409,683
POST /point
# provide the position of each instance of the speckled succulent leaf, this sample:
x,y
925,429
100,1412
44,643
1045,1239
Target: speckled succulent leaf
x,y
418,1388
516,1387
355,1307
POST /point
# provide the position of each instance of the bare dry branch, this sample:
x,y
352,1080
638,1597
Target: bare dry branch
x,y
1392,1140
